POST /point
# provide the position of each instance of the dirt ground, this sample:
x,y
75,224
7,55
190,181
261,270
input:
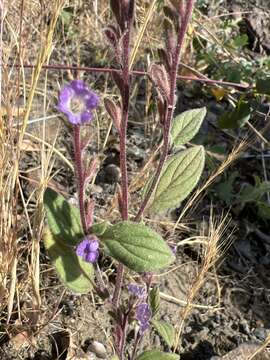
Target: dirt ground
x,y
234,302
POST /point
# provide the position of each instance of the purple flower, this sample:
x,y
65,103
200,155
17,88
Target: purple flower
x,y
138,291
143,315
88,249
76,101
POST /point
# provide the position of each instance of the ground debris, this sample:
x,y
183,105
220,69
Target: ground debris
x,y
244,352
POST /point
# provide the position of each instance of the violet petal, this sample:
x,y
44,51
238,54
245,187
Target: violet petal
x,y
76,101
138,291
88,249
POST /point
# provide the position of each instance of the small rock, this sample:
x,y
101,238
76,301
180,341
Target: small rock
x,y
261,333
98,349
156,341
22,339
188,330
136,153
96,189
91,356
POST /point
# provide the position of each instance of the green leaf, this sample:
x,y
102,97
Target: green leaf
x,y
225,189
254,193
76,274
63,219
179,176
66,17
154,300
157,355
137,246
100,228
62,235
186,125
263,210
240,41
236,118
263,86
165,330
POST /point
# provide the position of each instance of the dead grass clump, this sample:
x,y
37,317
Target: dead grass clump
x,y
214,244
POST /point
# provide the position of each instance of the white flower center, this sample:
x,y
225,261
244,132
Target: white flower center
x,y
77,105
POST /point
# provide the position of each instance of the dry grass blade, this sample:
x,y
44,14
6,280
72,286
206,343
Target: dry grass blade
x,y
260,348
183,303
42,57
224,165
139,38
51,148
210,254
11,139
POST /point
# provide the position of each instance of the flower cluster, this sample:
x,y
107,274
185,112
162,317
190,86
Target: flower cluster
x,y
88,249
77,102
138,291
143,316
143,311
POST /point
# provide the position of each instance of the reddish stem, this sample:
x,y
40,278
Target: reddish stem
x,y
123,158
170,110
79,174
202,79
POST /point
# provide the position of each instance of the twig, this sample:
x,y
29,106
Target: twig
x,y
136,73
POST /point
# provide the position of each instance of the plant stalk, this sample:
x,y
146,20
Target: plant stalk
x,y
199,78
171,104
79,173
123,154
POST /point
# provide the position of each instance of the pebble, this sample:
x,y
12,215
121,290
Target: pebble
x,y
96,189
136,152
91,356
99,349
261,333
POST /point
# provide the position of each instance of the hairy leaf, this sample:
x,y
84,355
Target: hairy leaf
x,y
154,300
180,175
137,246
165,330
75,273
100,228
157,355
186,125
62,235
63,219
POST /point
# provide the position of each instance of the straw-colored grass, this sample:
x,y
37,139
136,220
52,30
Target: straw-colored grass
x,y
34,32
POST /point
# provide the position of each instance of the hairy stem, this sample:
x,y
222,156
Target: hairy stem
x,y
137,342
170,109
79,173
199,77
123,155
124,196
